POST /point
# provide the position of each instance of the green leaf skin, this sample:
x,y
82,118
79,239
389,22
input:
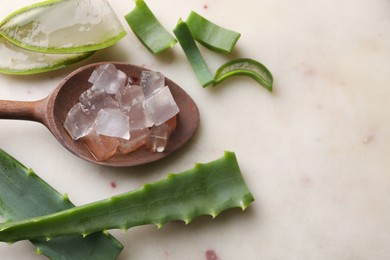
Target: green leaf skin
x,y
63,26
245,67
148,29
210,35
24,195
207,189
18,61
191,50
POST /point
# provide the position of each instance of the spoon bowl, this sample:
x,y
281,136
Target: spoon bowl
x,y
52,111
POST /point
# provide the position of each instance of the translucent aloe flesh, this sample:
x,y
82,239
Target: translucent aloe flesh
x,y
211,35
148,29
24,195
63,26
191,50
16,60
207,189
245,67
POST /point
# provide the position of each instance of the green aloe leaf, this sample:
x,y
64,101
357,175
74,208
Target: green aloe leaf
x,y
63,26
207,189
16,60
24,195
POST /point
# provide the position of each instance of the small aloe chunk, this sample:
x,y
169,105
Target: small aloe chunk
x,y
211,35
16,60
148,29
245,67
207,189
24,195
191,50
63,26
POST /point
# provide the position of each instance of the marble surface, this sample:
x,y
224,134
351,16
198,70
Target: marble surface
x,y
314,152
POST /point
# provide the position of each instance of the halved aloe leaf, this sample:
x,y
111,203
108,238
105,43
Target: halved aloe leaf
x,y
24,195
63,26
16,60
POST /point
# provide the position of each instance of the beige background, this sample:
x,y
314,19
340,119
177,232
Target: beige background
x,y
314,153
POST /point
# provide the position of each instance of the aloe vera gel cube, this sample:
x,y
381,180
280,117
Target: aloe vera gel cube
x,y
78,121
151,82
93,95
129,95
102,147
161,106
108,78
138,138
158,138
132,101
112,122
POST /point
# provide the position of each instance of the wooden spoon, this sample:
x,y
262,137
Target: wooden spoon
x,y
52,110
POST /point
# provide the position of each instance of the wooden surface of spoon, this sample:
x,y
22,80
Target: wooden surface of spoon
x,y
52,110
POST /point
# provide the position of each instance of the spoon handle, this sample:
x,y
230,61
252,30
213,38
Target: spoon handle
x,y
22,110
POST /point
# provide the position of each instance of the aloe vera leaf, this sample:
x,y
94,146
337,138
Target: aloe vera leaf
x,y
148,29
19,61
191,50
207,189
24,195
211,35
245,67
62,26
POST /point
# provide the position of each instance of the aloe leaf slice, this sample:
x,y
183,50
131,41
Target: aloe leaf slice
x,y
24,195
207,189
245,67
16,60
148,29
211,35
63,26
191,50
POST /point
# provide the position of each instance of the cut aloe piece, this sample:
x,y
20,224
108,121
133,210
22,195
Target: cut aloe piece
x,y
24,195
211,35
16,60
245,67
64,26
148,29
207,189
191,50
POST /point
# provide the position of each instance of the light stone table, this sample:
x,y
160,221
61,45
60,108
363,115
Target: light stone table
x,y
314,152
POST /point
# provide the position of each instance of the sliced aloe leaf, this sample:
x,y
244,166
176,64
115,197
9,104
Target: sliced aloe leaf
x,y
148,29
211,35
16,60
24,195
191,50
63,26
207,189
245,67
